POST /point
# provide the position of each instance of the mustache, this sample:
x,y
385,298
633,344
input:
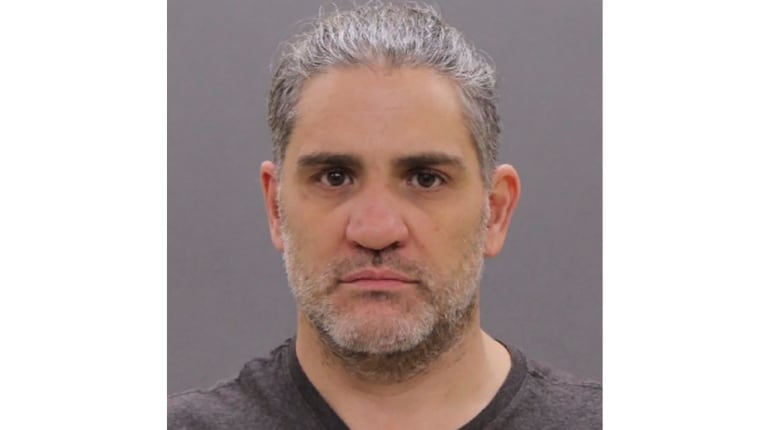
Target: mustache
x,y
339,268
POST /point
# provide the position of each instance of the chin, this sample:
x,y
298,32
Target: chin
x,y
384,332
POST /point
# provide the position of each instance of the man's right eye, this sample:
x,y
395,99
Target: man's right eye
x,y
335,178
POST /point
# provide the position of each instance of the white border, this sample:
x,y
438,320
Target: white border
x,y
691,235
83,236
692,187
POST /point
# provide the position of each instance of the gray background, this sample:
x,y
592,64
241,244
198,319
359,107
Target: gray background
x,y
227,294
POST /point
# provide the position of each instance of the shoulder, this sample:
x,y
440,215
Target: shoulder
x,y
541,397
561,398
260,394
204,409
560,382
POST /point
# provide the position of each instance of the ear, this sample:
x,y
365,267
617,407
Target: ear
x,y
504,195
271,195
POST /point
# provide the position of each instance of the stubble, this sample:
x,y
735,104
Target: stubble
x,y
382,349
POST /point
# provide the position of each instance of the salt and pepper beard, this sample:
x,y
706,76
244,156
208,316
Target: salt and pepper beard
x,y
386,349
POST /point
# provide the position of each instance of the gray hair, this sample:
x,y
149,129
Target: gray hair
x,y
407,34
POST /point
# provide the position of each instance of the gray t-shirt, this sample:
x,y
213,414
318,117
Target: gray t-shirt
x,y
274,393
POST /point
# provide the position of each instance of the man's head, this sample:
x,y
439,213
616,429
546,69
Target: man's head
x,y
379,198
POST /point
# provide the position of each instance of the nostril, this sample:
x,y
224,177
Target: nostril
x,y
378,256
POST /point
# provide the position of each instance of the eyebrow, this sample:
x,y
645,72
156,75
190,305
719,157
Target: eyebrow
x,y
329,159
406,162
425,159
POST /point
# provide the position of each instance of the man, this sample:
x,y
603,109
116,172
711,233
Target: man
x,y
384,197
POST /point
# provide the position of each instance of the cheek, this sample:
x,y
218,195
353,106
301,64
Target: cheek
x,y
318,232
441,237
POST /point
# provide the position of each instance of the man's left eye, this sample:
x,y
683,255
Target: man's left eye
x,y
426,180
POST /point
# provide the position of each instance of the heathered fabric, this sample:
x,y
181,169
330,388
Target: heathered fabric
x,y
274,393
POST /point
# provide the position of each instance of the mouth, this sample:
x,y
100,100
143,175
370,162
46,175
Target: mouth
x,y
377,280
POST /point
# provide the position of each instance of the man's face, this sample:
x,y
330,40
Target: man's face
x,y
383,211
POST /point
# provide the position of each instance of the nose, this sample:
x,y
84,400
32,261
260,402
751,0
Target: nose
x,y
376,222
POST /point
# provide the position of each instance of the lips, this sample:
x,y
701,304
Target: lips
x,y
377,279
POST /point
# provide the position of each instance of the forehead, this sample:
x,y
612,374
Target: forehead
x,y
379,110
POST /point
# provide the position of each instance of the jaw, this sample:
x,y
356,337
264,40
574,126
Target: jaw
x,y
446,337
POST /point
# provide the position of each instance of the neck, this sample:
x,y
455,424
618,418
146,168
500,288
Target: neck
x,y
463,378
